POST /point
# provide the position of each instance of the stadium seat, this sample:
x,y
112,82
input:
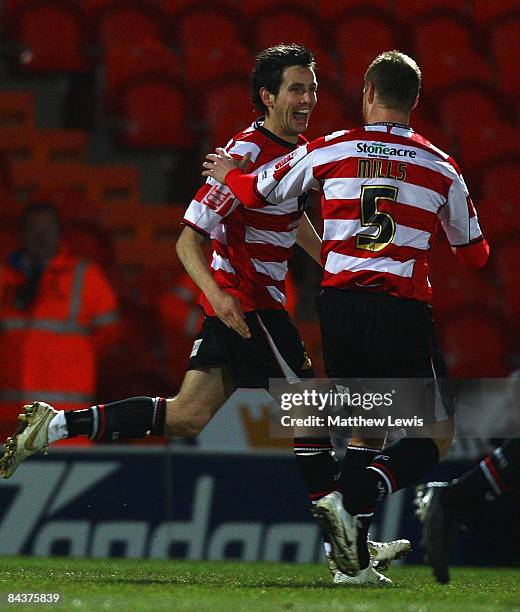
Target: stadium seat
x,y
329,115
125,23
207,26
330,10
227,110
474,355
43,145
360,36
254,8
17,109
485,11
35,27
431,130
407,11
204,65
113,185
145,58
504,42
8,237
445,46
154,113
506,262
498,210
89,241
456,286
271,27
472,116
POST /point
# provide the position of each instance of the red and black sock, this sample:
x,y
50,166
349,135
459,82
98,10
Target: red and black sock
x,y
395,467
356,459
127,419
318,465
493,476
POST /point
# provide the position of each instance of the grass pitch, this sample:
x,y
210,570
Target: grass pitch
x,y
148,585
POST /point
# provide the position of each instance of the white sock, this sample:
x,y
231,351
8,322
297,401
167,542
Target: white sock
x,y
328,548
57,428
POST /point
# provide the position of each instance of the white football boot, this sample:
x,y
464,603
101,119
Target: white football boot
x,y
30,438
342,529
365,577
383,553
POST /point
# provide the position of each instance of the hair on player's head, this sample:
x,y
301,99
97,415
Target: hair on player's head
x,y
396,78
270,65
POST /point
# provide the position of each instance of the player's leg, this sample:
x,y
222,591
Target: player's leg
x,y
439,505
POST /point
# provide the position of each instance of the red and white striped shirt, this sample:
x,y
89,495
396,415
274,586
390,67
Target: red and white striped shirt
x,y
250,247
385,191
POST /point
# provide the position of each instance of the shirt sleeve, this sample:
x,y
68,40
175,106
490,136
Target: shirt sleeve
x,y
213,201
289,178
459,217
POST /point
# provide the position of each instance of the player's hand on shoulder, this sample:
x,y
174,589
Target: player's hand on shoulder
x,y
218,164
229,311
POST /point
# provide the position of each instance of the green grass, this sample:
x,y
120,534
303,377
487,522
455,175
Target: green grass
x,y
100,584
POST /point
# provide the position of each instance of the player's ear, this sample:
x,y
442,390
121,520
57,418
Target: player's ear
x,y
415,103
267,97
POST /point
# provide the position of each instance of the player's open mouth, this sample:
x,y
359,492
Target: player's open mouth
x,y
302,116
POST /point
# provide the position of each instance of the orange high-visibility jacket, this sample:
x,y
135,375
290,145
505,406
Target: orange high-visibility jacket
x,y
48,351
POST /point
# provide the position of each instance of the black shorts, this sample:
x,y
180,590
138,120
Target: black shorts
x,y
378,336
275,349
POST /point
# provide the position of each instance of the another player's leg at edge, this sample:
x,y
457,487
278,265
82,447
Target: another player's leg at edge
x,y
40,425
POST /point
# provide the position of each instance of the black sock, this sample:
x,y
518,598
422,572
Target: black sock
x,y
356,459
127,419
493,476
396,466
318,465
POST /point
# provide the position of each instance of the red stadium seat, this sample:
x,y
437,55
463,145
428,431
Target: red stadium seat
x,y
407,11
472,116
173,8
423,125
203,65
498,210
89,241
227,110
330,10
155,114
9,240
484,11
456,286
254,8
504,40
287,23
445,48
35,28
506,263
125,23
206,26
17,109
474,355
329,115
360,36
145,58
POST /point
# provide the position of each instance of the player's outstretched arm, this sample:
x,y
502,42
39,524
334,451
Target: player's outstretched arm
x,y
308,239
226,306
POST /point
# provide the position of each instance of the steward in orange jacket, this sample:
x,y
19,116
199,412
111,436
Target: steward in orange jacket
x,y
57,314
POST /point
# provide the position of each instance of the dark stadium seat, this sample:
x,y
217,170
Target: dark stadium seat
x,y
424,125
147,57
407,11
254,8
329,115
17,109
89,241
173,8
506,263
472,116
485,11
125,22
330,10
35,26
456,287
360,36
474,355
227,110
206,25
154,113
43,145
498,209
203,65
271,27
504,42
445,48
